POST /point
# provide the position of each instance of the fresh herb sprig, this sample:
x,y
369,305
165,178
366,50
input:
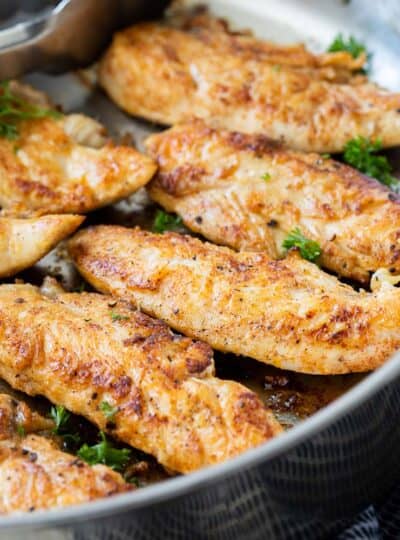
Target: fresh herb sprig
x,y
61,417
353,47
166,222
108,410
104,452
117,316
350,45
309,249
13,109
361,153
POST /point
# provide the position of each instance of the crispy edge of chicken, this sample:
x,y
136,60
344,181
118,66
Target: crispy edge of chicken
x,y
35,474
80,350
247,192
23,241
215,31
66,164
170,76
286,313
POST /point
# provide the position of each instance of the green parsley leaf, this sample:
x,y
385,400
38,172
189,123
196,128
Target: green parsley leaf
x,y
117,317
361,153
266,176
133,480
309,249
13,109
326,156
351,45
104,452
60,415
108,410
165,222
20,430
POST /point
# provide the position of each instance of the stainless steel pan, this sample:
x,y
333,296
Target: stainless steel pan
x,y
309,482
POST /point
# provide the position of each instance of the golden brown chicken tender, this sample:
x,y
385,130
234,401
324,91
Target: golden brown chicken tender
x,y
65,164
248,193
169,76
80,350
24,241
287,313
35,474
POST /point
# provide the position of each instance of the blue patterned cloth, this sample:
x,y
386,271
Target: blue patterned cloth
x,y
378,522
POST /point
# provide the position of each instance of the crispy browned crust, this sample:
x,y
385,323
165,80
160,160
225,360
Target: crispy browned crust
x,y
216,32
214,181
67,166
288,313
170,76
35,474
79,350
24,241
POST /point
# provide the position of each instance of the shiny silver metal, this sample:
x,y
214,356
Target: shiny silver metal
x,y
59,35
309,482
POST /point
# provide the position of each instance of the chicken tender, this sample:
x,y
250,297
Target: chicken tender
x,y
169,75
80,350
24,241
287,313
248,193
65,164
35,474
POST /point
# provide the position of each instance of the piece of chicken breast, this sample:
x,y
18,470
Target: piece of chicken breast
x,y
24,241
287,313
169,75
66,164
248,193
35,474
80,350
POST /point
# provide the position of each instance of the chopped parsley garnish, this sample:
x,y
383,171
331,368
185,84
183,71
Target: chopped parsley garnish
x,y
351,45
20,430
133,480
266,176
104,452
325,156
166,222
309,249
118,317
13,109
108,410
60,415
61,418
361,153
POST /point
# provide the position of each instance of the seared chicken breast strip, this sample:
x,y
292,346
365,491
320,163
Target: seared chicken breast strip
x,y
287,313
248,193
66,164
35,474
169,76
24,241
215,32
80,350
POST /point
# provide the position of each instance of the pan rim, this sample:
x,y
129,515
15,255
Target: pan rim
x,y
178,486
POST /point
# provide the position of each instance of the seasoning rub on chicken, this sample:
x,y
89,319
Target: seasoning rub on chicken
x,y
24,241
58,163
340,66
287,313
248,193
35,474
169,75
83,349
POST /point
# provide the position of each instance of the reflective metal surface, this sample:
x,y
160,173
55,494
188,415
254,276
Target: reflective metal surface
x,y
59,35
